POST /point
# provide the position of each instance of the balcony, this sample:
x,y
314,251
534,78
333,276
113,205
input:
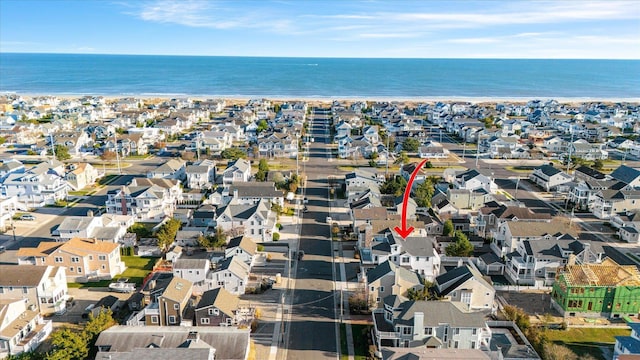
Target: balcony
x,y
383,329
35,337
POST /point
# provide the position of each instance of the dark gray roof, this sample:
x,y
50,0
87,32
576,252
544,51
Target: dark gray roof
x,y
625,174
440,312
548,170
256,189
417,246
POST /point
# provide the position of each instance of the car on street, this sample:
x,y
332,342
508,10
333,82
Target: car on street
x,y
27,217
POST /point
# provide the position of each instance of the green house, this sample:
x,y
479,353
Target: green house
x,y
592,290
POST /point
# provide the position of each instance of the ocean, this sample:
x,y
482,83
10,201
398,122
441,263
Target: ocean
x,y
147,75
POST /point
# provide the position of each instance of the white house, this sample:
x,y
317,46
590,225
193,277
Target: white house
x,y
231,274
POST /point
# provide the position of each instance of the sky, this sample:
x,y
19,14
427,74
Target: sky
x,y
577,29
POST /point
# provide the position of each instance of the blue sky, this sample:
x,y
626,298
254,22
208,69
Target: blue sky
x,y
314,28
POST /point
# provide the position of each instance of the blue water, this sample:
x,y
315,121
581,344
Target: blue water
x,y
317,77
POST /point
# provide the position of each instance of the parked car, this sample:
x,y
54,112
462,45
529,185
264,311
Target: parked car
x,y
27,217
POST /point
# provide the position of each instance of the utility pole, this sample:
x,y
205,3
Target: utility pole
x,y
297,155
53,147
115,140
477,155
386,172
569,157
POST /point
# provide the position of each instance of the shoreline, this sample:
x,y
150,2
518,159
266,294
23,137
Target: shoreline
x,y
329,99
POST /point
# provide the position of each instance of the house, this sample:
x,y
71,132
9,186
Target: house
x,y
510,233
204,216
628,175
237,171
628,344
430,324
415,252
168,308
41,287
84,259
254,221
194,270
218,307
78,226
173,169
82,176
468,199
202,175
228,343
390,279
147,200
232,274
629,234
361,180
22,327
597,290
607,203
432,150
39,186
583,195
10,166
252,193
536,262
471,180
493,214
465,284
243,248
549,178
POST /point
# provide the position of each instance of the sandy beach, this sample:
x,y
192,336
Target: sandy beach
x,y
326,99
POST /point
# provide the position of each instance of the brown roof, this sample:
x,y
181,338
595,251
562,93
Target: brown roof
x,y
178,289
220,298
76,246
21,275
163,183
608,273
19,323
374,213
539,228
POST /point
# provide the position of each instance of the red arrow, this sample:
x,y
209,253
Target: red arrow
x,y
404,231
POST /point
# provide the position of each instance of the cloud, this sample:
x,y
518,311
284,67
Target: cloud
x,y
401,35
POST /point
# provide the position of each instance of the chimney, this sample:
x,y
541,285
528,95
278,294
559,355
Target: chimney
x,y
572,260
123,201
235,193
418,322
193,335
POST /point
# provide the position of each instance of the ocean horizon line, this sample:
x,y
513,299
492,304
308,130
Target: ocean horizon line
x,y
322,57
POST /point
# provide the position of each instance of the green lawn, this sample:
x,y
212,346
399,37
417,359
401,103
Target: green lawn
x,y
137,269
80,192
587,340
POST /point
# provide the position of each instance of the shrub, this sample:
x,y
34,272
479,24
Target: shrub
x,y
260,247
279,226
276,236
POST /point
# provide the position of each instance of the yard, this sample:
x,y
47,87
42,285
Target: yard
x,y
587,340
360,341
137,269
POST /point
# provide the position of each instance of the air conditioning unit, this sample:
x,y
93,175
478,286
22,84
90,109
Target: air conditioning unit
x,y
32,307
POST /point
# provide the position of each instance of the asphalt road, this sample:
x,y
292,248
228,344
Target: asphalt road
x,y
312,330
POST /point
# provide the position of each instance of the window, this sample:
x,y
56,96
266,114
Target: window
x,y
1,290
455,344
456,331
154,319
75,259
204,321
211,311
79,269
71,269
172,319
90,257
428,331
102,257
220,283
176,306
474,331
373,288
104,267
473,344
58,259
25,290
406,330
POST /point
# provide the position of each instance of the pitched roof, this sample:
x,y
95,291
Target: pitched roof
x,y
178,289
539,228
22,275
440,312
626,174
221,299
230,343
549,170
244,243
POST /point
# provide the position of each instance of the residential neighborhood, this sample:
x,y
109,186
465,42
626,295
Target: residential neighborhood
x,y
232,229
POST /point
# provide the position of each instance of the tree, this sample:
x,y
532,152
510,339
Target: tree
x,y
68,345
3,140
426,293
167,233
558,352
374,155
403,158
263,169
97,324
108,156
447,228
410,144
62,153
424,191
395,186
233,154
188,155
276,236
262,126
461,247
598,164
